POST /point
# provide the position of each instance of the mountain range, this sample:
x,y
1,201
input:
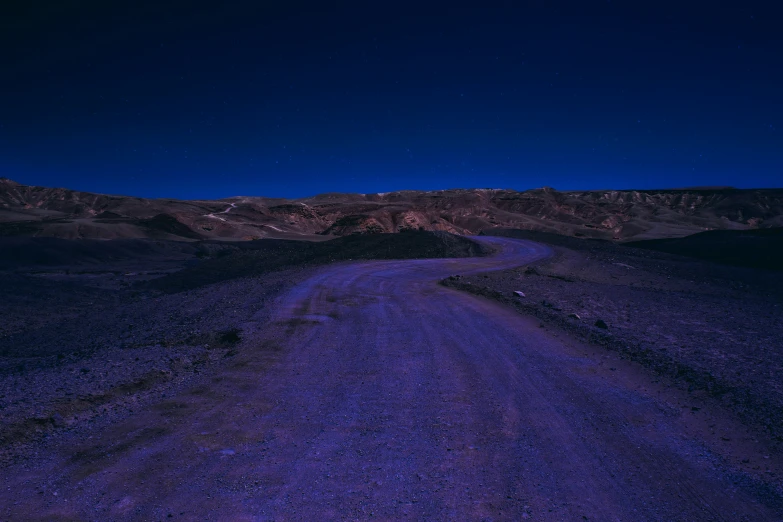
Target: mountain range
x,y
602,214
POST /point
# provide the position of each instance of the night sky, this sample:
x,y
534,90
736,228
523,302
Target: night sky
x,y
178,99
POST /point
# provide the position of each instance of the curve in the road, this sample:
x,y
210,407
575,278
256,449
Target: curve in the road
x,y
392,397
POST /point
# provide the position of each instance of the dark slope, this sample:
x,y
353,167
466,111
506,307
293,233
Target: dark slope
x,y
751,248
258,257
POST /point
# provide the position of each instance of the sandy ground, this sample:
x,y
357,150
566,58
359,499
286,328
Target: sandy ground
x,y
376,393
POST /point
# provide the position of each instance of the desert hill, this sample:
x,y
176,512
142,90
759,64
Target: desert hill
x,y
606,214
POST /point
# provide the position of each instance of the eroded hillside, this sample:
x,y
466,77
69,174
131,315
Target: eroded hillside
x,y
608,214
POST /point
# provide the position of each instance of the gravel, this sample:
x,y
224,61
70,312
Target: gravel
x,y
716,329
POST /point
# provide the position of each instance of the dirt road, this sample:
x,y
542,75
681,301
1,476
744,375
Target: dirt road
x,y
377,394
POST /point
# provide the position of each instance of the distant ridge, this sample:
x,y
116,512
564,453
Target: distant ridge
x,y
602,214
708,187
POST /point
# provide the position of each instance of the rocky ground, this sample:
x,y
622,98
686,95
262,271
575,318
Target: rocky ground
x,y
711,328
101,355
85,343
167,385
371,392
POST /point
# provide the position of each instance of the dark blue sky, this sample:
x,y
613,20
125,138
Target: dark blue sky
x,y
178,99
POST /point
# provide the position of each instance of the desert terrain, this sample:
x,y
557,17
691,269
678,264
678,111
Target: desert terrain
x,y
516,374
604,214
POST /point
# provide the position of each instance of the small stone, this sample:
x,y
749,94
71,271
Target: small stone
x,y
601,324
227,452
519,293
574,316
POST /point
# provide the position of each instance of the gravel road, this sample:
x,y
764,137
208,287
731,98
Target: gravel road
x,y
376,393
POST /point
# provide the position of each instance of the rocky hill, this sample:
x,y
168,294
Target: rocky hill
x,y
606,214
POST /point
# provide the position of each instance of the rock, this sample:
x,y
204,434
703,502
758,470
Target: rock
x,y
519,293
531,271
574,316
601,324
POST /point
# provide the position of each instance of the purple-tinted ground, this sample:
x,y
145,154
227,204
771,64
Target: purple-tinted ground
x,y
714,328
373,392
